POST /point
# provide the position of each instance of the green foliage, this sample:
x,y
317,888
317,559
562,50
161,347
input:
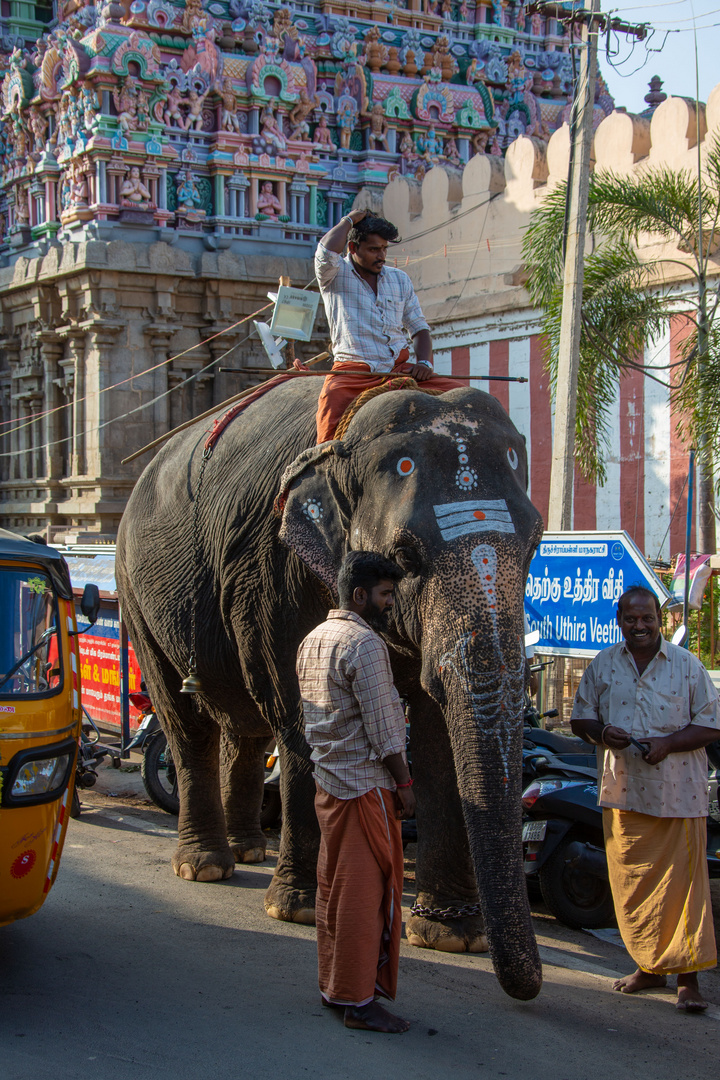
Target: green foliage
x,y
625,305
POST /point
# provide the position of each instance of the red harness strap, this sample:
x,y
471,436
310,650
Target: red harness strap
x,y
227,418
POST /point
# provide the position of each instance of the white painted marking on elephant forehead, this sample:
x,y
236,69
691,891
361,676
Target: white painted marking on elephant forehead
x,y
476,515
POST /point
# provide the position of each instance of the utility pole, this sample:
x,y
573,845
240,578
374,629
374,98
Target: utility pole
x,y
562,472
581,134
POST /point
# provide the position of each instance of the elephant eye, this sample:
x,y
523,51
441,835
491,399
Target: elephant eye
x,y
405,466
512,458
407,559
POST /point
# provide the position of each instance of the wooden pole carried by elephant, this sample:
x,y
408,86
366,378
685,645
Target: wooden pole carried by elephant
x,y
239,572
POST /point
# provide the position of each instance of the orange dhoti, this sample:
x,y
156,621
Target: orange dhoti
x,y
351,378
661,890
358,907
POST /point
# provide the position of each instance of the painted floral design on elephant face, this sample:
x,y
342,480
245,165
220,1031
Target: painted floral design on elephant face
x,y
313,510
465,478
512,457
405,466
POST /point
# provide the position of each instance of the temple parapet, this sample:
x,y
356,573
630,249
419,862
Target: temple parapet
x,y
463,228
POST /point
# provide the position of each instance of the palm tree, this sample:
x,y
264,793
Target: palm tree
x,y
627,302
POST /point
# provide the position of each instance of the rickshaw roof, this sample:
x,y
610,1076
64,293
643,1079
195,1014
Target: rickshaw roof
x,y
17,547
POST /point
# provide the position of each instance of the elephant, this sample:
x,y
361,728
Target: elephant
x,y
234,558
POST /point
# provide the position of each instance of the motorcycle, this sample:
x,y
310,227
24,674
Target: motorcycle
x,y
563,841
157,768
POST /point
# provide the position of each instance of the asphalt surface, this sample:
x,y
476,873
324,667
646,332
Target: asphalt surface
x,y
129,973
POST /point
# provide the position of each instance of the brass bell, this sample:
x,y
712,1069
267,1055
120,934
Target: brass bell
x,y
191,684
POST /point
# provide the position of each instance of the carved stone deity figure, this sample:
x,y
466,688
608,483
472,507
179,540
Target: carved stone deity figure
x,y
38,126
346,123
229,120
143,109
134,193
407,147
193,11
474,73
323,136
125,99
451,151
90,107
480,141
446,9
270,129
268,202
78,187
378,127
22,211
195,113
300,128
172,114
188,196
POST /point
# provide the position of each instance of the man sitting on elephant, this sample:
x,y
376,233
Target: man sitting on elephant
x,y
355,725
370,309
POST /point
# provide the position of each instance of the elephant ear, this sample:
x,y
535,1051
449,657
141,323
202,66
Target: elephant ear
x,y
315,513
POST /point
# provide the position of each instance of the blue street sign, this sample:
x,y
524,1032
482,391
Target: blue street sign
x,y
573,587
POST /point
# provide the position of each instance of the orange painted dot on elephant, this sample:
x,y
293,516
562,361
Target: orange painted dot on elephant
x,y
481,517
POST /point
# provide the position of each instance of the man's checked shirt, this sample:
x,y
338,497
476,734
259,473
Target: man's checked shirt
x,y
353,714
363,326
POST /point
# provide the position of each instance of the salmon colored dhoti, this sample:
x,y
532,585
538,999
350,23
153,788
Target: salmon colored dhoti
x,y
358,907
661,890
351,378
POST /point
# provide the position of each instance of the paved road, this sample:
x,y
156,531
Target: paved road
x,y
128,973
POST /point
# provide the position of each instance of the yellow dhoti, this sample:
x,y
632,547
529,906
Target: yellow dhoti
x,y
661,890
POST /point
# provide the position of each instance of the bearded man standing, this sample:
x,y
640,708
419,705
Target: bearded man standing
x,y
355,725
654,709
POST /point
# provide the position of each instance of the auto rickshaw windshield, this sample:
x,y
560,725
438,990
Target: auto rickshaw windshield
x,y
30,656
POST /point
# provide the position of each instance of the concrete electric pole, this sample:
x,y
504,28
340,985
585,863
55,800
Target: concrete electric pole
x,y
581,135
563,454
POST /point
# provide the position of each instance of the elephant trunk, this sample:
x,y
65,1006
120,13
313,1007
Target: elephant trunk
x,y
478,680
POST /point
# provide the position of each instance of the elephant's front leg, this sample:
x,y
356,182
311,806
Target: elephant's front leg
x,y
203,853
291,895
444,875
242,777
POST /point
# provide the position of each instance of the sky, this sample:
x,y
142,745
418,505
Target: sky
x,y
675,62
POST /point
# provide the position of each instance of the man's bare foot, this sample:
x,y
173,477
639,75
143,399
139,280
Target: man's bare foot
x,y
639,980
689,998
372,1017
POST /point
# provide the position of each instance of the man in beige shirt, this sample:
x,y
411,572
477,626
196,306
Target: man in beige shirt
x,y
355,725
654,709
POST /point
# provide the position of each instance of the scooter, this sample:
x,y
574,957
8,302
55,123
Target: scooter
x,y
563,842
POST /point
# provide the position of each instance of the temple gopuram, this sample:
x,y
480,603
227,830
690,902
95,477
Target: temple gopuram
x,y
164,163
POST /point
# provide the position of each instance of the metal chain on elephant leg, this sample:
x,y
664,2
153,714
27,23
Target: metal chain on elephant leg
x,y
191,684
452,911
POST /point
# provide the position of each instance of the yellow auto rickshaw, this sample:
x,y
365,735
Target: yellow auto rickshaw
x,y
40,717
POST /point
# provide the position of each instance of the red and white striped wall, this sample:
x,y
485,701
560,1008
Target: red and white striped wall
x,y
646,463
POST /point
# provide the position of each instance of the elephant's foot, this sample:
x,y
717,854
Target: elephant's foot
x,y
249,849
289,904
248,854
192,865
451,935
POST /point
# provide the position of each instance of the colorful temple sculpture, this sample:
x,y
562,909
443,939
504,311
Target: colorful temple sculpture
x,y
162,162
255,120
